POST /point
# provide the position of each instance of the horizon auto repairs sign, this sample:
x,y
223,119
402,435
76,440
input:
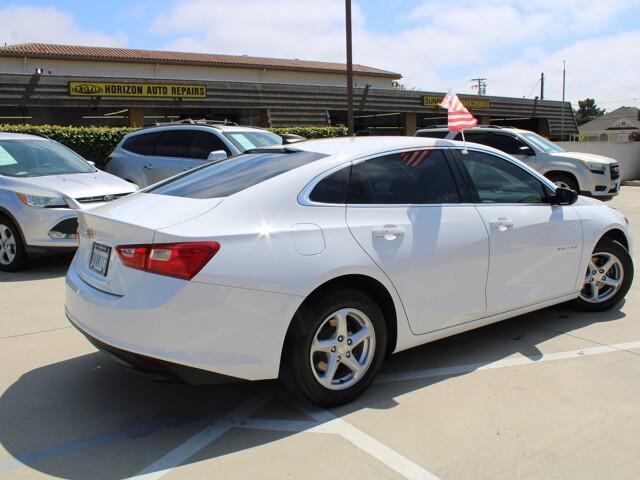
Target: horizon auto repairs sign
x,y
108,89
472,103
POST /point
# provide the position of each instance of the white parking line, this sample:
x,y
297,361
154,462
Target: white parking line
x,y
182,453
327,423
365,442
509,362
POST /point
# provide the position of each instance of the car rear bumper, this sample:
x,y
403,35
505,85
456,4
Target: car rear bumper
x,y
230,331
154,368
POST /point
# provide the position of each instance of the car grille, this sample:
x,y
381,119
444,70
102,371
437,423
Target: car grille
x,y
615,171
101,198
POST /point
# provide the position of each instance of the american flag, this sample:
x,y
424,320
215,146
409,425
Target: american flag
x,y
415,158
458,116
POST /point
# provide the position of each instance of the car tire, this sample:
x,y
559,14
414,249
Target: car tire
x,y
564,180
13,256
597,295
317,342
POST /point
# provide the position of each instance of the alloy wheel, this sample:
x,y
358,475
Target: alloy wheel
x,y
7,245
562,184
604,277
342,349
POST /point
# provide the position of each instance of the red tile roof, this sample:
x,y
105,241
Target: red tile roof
x,y
132,55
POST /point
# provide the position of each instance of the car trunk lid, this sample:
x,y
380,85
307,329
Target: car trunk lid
x,y
131,220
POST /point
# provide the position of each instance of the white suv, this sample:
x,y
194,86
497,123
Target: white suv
x,y
153,154
583,172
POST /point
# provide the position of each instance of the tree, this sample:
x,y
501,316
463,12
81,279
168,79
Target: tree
x,y
588,110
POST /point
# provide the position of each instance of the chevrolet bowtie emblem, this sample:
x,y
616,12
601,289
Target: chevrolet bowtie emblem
x,y
90,233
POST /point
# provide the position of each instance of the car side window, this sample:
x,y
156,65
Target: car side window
x,y
333,188
497,180
174,143
500,141
413,177
203,143
142,144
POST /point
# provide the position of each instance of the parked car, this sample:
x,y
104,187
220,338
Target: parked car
x,y
313,262
153,154
43,185
585,173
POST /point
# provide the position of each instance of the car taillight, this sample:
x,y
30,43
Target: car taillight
x,y
180,260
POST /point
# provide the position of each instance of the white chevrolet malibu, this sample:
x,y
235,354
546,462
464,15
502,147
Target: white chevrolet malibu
x,y
313,262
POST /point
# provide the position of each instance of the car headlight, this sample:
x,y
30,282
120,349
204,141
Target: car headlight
x,y
595,167
42,201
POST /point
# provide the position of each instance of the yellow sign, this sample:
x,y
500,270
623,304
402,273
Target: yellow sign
x,y
474,103
103,89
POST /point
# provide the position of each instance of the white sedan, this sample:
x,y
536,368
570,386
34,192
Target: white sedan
x,y
313,262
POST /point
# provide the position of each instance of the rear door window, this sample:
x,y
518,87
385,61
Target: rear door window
x,y
174,143
226,177
413,177
142,144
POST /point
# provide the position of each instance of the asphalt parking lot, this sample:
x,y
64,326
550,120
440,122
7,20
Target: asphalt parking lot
x,y
552,394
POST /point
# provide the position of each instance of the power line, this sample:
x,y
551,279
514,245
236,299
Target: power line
x,y
481,87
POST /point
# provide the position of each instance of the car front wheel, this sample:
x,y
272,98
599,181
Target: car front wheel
x,y
564,180
336,347
608,277
12,253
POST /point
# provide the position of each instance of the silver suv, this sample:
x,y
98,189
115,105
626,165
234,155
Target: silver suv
x,y
583,172
152,154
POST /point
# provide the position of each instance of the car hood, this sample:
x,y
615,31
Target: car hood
x,y
587,157
75,185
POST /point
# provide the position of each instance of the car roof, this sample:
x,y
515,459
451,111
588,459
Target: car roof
x,y
199,126
20,136
475,129
343,149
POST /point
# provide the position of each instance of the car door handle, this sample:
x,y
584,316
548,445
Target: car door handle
x,y
388,232
148,166
502,224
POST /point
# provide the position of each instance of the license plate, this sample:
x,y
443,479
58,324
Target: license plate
x,y
99,261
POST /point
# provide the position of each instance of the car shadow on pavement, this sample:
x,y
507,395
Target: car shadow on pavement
x,y
40,268
87,417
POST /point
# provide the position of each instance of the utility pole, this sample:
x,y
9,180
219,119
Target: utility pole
x,y
347,5
564,76
481,86
542,86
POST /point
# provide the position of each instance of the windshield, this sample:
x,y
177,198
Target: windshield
x,y
32,158
542,143
229,176
248,140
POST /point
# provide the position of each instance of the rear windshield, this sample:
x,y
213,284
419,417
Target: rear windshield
x,y
35,158
234,174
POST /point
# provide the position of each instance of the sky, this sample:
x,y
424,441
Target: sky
x,y
436,45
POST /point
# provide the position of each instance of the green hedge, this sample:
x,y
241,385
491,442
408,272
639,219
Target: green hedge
x,y
96,143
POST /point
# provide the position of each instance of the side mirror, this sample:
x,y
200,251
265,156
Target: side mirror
x,y
288,138
564,196
93,164
217,155
526,150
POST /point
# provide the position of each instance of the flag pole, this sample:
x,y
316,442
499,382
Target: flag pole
x,y
464,143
